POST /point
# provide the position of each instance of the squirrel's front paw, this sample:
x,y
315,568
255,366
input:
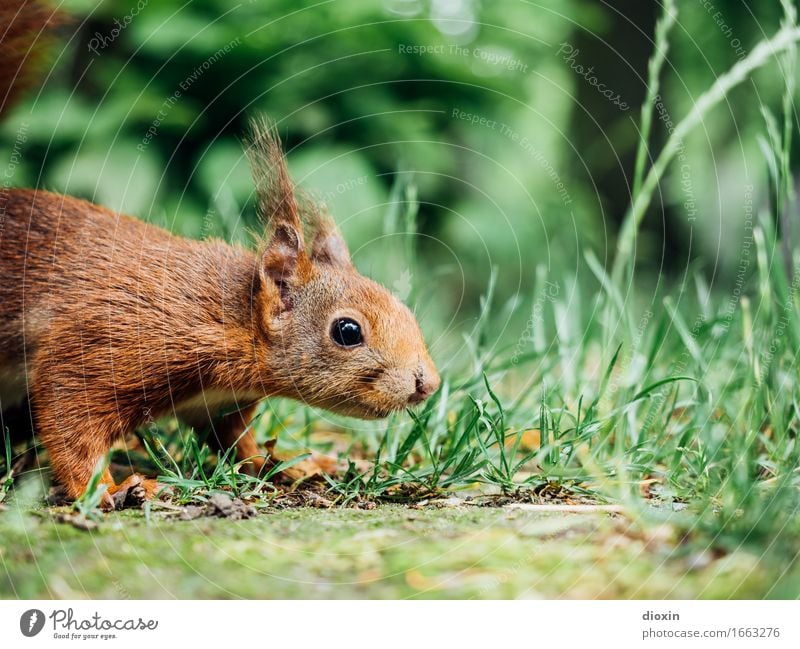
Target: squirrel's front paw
x,y
314,466
133,491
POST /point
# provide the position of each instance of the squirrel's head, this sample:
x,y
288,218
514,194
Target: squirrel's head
x,y
336,339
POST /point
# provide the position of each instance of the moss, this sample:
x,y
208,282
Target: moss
x,y
391,552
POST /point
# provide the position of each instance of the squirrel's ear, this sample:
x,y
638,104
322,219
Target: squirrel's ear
x,y
284,262
330,248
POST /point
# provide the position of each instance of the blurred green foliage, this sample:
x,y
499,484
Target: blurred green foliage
x,y
517,160
468,148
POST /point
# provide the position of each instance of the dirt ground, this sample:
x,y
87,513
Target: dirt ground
x,y
449,549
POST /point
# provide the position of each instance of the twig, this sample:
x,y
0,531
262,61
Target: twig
x,y
569,509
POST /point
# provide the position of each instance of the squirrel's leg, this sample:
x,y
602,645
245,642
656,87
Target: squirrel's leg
x,y
75,451
16,428
16,422
77,438
234,430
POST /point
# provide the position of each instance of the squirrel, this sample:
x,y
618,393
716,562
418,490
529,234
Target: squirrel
x,y
107,322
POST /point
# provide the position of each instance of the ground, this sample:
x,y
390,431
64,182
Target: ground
x,y
439,550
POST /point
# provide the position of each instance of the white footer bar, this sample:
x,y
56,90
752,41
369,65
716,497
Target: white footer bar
x,y
407,624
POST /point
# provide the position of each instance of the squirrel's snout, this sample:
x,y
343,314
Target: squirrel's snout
x,y
426,383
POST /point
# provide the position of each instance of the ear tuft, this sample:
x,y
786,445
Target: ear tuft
x,y
284,262
275,190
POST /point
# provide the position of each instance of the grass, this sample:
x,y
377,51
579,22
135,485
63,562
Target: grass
x,y
689,401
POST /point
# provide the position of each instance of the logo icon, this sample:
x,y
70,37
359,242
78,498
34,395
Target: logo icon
x,y
402,285
31,622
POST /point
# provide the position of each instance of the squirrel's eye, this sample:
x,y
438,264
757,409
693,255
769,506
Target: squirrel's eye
x,y
346,332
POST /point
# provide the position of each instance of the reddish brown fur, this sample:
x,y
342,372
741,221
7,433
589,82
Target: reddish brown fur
x,y
25,29
107,322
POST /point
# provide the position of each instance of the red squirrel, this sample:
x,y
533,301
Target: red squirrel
x,y
107,322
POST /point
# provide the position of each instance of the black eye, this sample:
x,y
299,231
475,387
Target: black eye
x,y
346,332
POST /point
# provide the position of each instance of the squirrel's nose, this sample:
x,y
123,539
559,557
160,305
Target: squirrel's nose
x,y
426,382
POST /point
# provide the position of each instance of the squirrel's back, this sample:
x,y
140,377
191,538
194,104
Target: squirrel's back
x,y
65,257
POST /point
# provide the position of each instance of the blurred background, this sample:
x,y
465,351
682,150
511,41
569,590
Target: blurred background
x,y
448,137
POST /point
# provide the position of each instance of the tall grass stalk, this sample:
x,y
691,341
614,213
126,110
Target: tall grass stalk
x,y
761,54
660,48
